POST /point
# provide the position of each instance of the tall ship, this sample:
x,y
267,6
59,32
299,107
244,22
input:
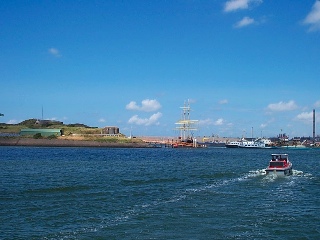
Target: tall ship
x,y
186,127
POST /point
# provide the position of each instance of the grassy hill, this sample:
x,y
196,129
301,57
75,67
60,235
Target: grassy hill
x,y
68,129
76,131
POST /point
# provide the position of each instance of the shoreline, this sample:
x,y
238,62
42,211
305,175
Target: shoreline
x,y
30,142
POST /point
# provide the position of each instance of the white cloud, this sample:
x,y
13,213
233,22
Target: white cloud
x,y
263,125
147,105
219,122
132,106
246,21
205,122
54,52
234,5
224,101
317,104
12,121
282,106
305,117
313,18
152,120
102,120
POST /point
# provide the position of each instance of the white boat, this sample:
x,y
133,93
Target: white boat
x,y
279,165
257,143
233,144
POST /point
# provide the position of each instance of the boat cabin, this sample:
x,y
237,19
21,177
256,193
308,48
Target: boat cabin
x,y
279,157
278,160
275,164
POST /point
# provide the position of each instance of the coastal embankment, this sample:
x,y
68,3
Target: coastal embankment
x,y
67,143
80,141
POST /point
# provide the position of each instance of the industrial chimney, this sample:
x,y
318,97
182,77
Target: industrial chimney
x,y
314,125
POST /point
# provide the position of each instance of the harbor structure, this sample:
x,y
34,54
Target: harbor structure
x,y
44,132
110,130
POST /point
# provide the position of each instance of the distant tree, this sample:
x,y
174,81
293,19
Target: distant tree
x,y
37,136
35,123
52,136
29,123
77,125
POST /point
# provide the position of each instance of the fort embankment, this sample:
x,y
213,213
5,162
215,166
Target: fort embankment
x,y
30,142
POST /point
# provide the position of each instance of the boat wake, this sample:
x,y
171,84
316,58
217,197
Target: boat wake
x,y
111,222
262,172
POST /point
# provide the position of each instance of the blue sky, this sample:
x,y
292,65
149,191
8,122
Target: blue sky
x,y
243,64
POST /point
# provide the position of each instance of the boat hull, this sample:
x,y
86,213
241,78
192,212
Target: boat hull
x,y
280,171
253,147
231,146
299,147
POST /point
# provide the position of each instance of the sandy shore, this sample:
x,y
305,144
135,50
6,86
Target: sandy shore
x,y
65,143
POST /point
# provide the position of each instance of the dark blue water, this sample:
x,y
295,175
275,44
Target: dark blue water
x,y
213,193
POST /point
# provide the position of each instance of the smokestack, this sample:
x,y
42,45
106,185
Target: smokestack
x,y
314,124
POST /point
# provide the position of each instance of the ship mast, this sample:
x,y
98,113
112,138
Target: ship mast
x,y
185,124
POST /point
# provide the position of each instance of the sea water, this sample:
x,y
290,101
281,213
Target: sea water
x,y
160,193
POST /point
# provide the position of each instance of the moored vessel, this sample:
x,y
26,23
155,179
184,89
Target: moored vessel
x,y
244,143
257,143
186,126
233,144
279,165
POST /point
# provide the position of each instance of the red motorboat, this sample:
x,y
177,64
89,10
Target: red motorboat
x,y
279,165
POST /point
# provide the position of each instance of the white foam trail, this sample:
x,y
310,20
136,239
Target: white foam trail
x,y
253,174
297,173
180,196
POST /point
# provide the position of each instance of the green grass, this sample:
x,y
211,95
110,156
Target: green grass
x,y
9,128
79,130
89,133
15,128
